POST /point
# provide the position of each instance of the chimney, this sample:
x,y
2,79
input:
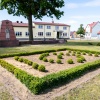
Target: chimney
x,y
52,21
17,21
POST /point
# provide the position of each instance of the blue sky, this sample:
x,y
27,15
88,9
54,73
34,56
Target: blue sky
x,y
76,12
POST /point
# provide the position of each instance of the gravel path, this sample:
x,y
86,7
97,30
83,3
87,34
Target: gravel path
x,y
20,92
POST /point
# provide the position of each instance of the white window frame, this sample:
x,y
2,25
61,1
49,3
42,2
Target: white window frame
x,y
57,27
65,34
40,33
48,27
40,26
64,27
48,33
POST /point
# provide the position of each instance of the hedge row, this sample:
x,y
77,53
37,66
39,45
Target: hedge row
x,y
45,51
37,85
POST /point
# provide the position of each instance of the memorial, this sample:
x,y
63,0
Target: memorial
x,y
7,34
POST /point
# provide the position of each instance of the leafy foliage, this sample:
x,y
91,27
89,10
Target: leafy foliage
x,y
59,61
41,68
70,61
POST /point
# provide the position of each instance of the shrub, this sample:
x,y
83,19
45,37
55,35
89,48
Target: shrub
x,y
67,54
41,68
78,52
79,60
98,44
51,60
78,55
16,58
90,54
84,53
61,53
20,59
59,61
41,57
35,65
90,43
73,54
54,53
45,59
30,63
59,56
74,51
70,61
25,61
83,58
96,55
69,51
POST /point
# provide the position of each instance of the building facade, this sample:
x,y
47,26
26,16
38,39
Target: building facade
x,y
42,31
92,30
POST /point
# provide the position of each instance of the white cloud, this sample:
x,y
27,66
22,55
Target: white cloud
x,y
92,3
72,22
71,5
86,17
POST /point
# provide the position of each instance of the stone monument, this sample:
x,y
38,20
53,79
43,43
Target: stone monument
x,y
7,34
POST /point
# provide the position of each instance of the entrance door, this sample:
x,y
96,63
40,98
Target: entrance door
x,y
57,35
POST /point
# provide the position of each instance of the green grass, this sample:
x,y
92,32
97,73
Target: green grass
x,y
87,91
4,94
76,44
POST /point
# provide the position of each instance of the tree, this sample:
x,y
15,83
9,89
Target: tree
x,y
35,8
81,31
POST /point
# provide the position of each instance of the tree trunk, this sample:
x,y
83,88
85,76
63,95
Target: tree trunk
x,y
30,28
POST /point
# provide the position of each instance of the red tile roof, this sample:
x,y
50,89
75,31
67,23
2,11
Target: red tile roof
x,y
20,24
50,23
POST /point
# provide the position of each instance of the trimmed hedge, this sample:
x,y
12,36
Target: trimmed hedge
x,y
37,85
44,51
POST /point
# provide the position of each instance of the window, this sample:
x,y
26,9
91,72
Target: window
x,y
64,34
64,28
27,33
48,33
40,26
40,33
48,27
57,27
18,33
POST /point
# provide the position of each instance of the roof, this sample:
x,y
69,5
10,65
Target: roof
x,y
92,25
18,24
50,23
98,33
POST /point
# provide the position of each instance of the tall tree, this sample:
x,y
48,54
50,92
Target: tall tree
x,y
81,30
35,8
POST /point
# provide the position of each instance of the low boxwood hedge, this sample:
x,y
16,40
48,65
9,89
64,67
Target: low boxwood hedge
x,y
37,85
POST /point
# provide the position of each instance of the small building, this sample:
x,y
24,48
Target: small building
x,y
92,30
42,30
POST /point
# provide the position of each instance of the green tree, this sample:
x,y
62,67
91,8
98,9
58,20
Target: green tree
x,y
35,8
81,31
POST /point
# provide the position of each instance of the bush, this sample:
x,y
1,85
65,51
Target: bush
x,y
96,55
98,44
70,61
61,53
25,61
16,58
54,53
41,68
78,55
41,57
83,58
59,56
35,65
79,60
90,54
45,59
69,51
84,53
67,54
59,61
78,52
90,43
73,54
30,63
51,60
20,59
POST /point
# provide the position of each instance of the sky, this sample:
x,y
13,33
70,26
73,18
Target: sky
x,y
76,12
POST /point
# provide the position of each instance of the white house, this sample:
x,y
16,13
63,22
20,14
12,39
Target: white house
x,y
92,31
42,30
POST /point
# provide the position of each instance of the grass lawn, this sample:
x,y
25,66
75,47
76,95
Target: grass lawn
x,y
87,91
76,44
4,94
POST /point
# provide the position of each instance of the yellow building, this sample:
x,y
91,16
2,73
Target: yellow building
x,y
42,30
